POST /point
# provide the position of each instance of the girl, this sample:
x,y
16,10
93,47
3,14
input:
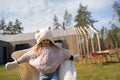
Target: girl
x,y
45,57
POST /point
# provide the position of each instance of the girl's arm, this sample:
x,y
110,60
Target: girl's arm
x,y
24,58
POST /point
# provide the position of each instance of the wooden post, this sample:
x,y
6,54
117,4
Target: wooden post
x,y
83,52
78,37
86,39
95,31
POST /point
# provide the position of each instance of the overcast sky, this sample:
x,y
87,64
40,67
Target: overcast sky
x,y
38,14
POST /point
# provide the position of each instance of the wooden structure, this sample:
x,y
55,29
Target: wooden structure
x,y
85,34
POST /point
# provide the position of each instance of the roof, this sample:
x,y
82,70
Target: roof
x,y
30,36
17,37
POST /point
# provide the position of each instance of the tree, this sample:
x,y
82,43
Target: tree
x,y
116,7
2,25
83,18
55,22
11,28
67,19
17,27
103,33
8,28
113,37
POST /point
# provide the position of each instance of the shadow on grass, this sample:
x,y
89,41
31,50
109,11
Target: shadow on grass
x,y
110,62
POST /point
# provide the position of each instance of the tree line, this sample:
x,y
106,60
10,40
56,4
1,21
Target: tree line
x,y
10,28
110,39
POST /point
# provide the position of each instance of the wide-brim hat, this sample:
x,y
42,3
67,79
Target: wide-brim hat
x,y
42,35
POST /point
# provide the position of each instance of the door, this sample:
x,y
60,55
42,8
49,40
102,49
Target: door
x,y
4,55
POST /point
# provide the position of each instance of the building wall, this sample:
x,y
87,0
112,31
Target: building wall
x,y
5,52
70,42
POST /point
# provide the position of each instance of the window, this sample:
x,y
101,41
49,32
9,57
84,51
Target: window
x,y
21,46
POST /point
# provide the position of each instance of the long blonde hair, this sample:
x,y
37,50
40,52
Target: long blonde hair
x,y
37,47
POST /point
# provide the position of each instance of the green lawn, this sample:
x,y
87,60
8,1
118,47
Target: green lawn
x,y
110,71
8,75
85,71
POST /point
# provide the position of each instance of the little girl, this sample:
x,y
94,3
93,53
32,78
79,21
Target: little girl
x,y
45,57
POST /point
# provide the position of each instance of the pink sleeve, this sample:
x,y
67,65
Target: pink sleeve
x,y
26,57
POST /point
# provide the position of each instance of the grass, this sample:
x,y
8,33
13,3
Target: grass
x,y
8,75
99,72
85,71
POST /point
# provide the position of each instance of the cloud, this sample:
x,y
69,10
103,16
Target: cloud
x,y
97,5
39,13
20,7
37,21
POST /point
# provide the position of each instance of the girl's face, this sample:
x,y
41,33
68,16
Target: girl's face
x,y
45,43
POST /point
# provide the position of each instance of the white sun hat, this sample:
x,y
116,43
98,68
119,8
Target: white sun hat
x,y
42,35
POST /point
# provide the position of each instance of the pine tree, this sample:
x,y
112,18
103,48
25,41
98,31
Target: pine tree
x,y
17,27
67,19
116,7
8,28
2,25
55,22
83,18
11,28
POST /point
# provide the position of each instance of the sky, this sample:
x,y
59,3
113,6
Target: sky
x,y
39,14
